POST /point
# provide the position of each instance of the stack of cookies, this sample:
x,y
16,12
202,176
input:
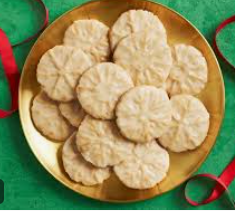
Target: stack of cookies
x,y
121,98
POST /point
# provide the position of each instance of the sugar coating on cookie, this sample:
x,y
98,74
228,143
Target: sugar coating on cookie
x,y
189,71
73,112
134,21
147,166
59,70
143,113
90,36
100,87
100,142
78,169
146,57
48,120
189,126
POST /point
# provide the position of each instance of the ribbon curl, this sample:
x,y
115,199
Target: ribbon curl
x,y
221,186
9,64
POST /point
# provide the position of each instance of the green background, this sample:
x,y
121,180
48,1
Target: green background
x,y
29,186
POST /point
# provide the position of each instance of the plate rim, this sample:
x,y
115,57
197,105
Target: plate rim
x,y
114,200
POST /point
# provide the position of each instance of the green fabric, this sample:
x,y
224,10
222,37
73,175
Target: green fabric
x,y
29,186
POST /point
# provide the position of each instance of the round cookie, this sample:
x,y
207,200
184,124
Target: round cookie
x,y
101,144
189,71
78,169
134,21
147,166
48,120
90,36
73,112
59,70
143,113
146,57
100,87
189,126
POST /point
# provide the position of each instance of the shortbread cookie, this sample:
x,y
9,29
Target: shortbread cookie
x,y
188,74
134,21
91,36
48,120
100,87
78,169
189,126
59,71
73,112
146,58
147,166
143,113
100,142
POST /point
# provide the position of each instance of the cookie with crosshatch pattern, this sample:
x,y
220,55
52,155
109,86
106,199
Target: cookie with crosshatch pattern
x,y
100,88
145,56
90,36
189,125
100,142
189,71
59,70
134,21
79,169
143,113
48,119
147,166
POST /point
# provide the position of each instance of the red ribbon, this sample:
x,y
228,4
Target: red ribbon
x,y
221,186
9,64
218,30
11,71
228,174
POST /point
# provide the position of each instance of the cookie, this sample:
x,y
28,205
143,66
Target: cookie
x,y
143,113
189,71
134,21
73,112
147,166
189,126
90,36
146,57
78,169
59,70
100,87
101,144
48,120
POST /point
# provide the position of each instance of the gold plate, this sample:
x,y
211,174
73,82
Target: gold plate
x,y
182,164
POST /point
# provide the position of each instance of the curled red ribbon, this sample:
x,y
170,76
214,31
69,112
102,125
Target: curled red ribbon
x,y
9,64
228,174
218,30
221,186
11,71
